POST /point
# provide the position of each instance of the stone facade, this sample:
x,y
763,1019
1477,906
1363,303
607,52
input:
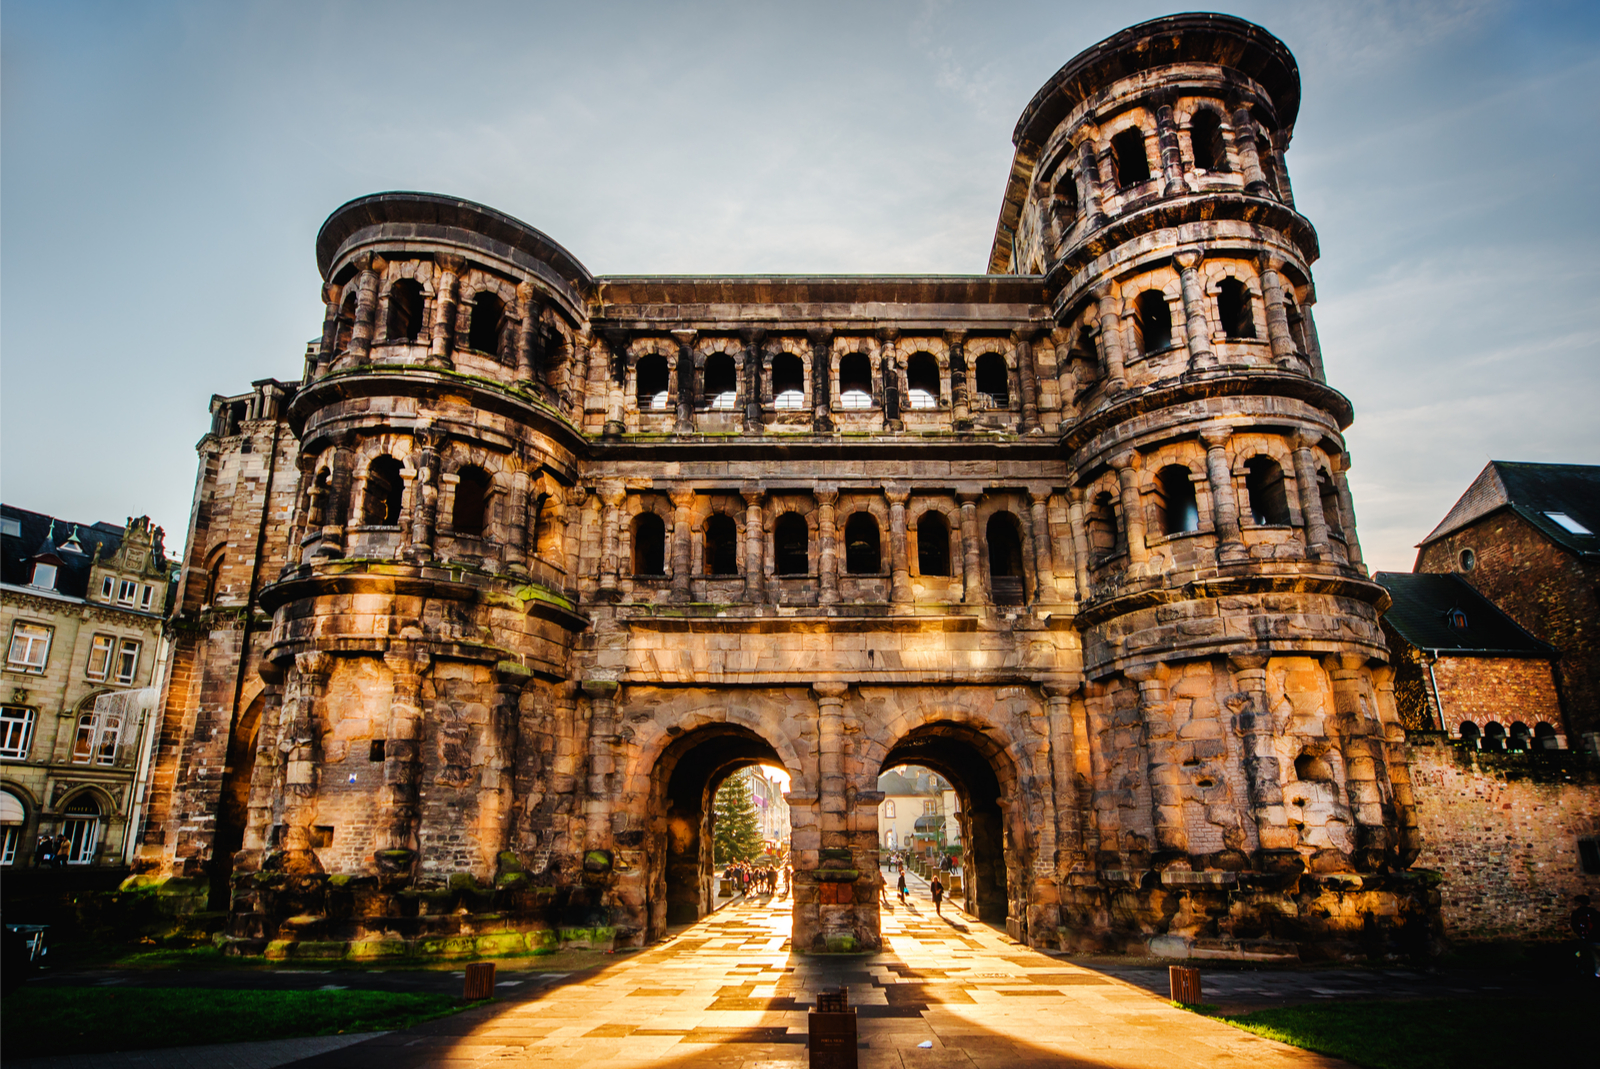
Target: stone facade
x,y
486,606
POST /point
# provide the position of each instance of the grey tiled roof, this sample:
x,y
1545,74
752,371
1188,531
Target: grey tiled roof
x,y
1421,614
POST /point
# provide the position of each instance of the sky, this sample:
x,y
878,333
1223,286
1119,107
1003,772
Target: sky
x,y
164,168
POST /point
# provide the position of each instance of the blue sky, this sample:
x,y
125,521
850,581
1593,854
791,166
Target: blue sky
x,y
164,168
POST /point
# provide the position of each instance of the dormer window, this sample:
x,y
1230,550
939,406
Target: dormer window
x,y
1567,523
145,596
127,590
44,576
107,587
1456,619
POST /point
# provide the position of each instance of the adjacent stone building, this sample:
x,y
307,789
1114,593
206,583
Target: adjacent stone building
x,y
479,612
81,606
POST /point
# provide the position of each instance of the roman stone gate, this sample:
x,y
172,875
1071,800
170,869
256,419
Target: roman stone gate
x,y
528,561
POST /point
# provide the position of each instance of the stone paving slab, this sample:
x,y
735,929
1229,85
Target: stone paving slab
x,y
260,1055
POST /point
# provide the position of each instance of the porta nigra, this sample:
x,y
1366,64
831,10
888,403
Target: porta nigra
x,y
477,614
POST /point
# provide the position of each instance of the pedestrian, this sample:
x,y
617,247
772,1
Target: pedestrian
x,y
63,850
936,888
1585,923
902,887
44,851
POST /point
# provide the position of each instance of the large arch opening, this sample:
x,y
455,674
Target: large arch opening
x,y
974,834
233,808
684,787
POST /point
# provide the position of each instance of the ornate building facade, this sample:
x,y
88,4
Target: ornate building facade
x,y
489,602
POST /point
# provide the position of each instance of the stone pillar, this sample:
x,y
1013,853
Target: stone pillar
x,y
263,782
514,551
1196,324
1244,146
578,379
366,308
899,558
827,547
972,588
682,568
1224,504
830,763
752,338
1080,542
1347,513
1305,477
425,501
1263,776
526,326
821,379
330,329
336,511
1027,379
1394,751
1360,737
611,497
1064,776
1171,160
960,398
1044,567
687,392
1107,307
442,345
402,759
1089,168
754,540
1161,759
889,381
1308,329
1284,352
308,689
603,772
1126,465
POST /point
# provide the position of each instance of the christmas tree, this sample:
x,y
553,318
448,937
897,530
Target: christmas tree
x,y
736,831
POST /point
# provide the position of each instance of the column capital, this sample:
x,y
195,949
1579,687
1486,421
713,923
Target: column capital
x,y
1076,494
685,338
525,291
1216,437
450,262
315,665
1026,335
1040,495
1307,439
1128,460
969,497
681,498
754,497
752,336
888,335
600,689
820,335
830,693
1188,259
1247,662
825,496
896,495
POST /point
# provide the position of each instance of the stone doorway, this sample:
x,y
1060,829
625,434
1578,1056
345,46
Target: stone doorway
x,y
233,806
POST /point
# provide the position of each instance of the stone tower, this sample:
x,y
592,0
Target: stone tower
x,y
554,554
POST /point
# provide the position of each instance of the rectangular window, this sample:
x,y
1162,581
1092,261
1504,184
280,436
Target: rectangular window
x,y
9,526
9,837
30,647
97,739
927,809
127,661
1589,856
100,658
144,598
106,586
83,835
44,575
16,731
888,810
1568,523
126,591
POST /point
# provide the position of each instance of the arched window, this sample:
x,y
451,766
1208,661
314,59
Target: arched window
x,y
788,382
1233,309
922,380
488,323
1004,540
1544,737
855,381
649,544
1179,512
1469,732
380,502
1205,137
1269,501
1494,737
722,545
1133,162
651,373
1103,540
933,545
1518,740
82,829
721,381
992,380
345,324
1330,503
1063,207
791,542
405,310
13,815
547,529
468,514
862,551
1155,321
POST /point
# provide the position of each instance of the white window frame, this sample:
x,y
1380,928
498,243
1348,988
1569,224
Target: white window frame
x,y
144,598
126,590
10,836
128,660
16,731
101,651
108,586
97,739
29,652
84,834
44,576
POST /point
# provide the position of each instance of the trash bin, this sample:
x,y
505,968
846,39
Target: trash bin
x,y
832,1028
480,981
1185,981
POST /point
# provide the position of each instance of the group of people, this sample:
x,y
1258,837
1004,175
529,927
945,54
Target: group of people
x,y
935,887
760,877
52,850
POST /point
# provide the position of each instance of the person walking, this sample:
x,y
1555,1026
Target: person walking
x,y
44,851
63,851
902,887
936,888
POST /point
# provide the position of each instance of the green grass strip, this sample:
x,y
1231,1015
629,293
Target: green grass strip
x,y
1436,1033
89,1020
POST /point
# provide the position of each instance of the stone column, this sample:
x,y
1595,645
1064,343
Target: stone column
x,y
1359,735
1162,762
263,795
308,687
1196,324
1347,513
1064,776
1027,379
752,338
960,400
578,379
1224,505
682,567
1284,351
827,547
1308,329
889,380
1394,751
687,392
1044,567
821,379
754,539
1263,775
611,497
366,308
1244,146
899,560
1089,168
1171,160
1107,307
516,518
402,760
972,588
603,771
832,805
1080,542
526,326
1126,465
330,329
442,345
425,500
1305,477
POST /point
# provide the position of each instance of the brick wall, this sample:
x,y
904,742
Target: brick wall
x,y
1506,690
1503,830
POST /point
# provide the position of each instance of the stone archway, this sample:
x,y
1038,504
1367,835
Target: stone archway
x,y
233,804
684,781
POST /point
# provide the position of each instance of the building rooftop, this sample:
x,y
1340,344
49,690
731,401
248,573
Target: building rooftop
x,y
24,534
1444,613
1561,500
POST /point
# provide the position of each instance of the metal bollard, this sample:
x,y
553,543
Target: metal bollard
x,y
832,1027
1185,981
480,981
